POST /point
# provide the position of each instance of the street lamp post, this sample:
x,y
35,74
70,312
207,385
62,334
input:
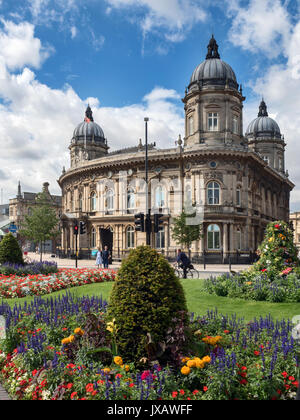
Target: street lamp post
x,y
148,210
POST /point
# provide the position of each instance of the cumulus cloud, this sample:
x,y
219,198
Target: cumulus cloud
x,y
19,46
37,122
176,17
263,25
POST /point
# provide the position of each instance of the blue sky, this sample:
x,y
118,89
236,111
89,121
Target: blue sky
x,y
129,59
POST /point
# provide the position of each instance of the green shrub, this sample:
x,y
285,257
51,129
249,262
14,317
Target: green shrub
x,y
145,299
10,251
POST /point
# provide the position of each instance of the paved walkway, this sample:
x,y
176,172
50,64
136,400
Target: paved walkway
x,y
4,395
211,269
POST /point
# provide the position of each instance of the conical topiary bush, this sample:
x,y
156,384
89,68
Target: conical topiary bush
x,y
10,251
146,296
278,254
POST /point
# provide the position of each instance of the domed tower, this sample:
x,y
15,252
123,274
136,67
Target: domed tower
x,y
214,104
264,137
88,140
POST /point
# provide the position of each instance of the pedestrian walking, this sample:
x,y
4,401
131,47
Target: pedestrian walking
x,y
99,259
105,257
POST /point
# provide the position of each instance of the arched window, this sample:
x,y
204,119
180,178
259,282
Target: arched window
x,y
160,239
213,237
130,199
93,238
213,193
130,237
109,200
159,197
29,211
93,201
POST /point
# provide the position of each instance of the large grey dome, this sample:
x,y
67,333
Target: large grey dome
x,y
88,130
263,125
214,71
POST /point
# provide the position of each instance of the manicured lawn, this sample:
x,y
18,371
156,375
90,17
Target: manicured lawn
x,y
198,301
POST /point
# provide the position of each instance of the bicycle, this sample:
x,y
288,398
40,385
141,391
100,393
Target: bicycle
x,y
191,272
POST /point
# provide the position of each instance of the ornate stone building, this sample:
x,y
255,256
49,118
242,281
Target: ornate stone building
x,y
295,221
23,204
238,182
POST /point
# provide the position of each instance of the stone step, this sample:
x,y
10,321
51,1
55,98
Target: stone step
x,y
4,395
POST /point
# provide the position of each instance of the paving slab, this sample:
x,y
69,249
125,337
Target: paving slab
x,y
4,395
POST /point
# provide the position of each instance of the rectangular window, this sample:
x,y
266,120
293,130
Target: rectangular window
x,y
280,165
235,125
191,126
213,121
239,240
238,197
266,159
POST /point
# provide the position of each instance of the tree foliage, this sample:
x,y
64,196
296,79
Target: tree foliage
x,y
278,254
10,251
146,296
184,233
42,224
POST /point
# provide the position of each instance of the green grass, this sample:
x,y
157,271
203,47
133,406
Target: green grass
x,y
198,301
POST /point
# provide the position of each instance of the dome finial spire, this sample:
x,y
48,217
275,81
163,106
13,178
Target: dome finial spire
x,y
263,109
212,49
89,114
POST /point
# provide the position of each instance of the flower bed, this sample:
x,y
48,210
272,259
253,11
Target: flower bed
x,y
34,267
20,286
256,286
63,349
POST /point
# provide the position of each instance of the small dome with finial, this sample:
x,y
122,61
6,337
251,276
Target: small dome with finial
x,y
263,125
88,130
213,71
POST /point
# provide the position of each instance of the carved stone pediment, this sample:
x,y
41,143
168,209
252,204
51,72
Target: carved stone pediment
x,y
213,175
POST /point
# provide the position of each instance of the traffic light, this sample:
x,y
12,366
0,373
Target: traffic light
x,y
82,228
75,229
139,221
158,223
148,224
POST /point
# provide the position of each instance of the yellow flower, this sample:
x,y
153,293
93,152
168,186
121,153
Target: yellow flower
x,y
118,360
185,370
127,368
191,363
78,331
248,283
111,326
65,341
106,370
71,338
185,359
206,359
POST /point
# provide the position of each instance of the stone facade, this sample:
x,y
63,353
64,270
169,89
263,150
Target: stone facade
x,y
238,192
295,220
22,205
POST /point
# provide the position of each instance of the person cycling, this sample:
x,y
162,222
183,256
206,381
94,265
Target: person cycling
x,y
183,261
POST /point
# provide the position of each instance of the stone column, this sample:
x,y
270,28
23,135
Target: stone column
x,y
225,239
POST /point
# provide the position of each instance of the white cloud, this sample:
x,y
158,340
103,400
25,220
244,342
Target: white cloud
x,y
19,47
263,25
37,122
280,86
73,30
175,17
